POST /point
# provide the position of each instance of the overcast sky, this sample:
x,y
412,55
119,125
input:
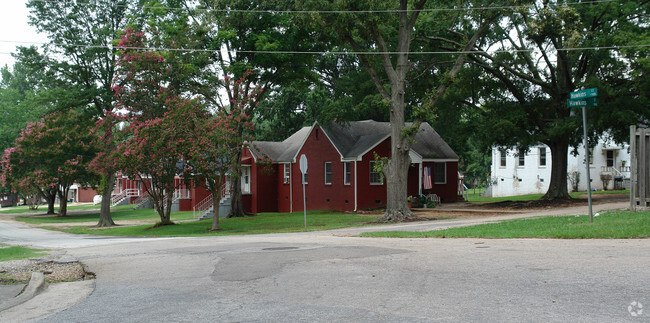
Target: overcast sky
x,y
13,28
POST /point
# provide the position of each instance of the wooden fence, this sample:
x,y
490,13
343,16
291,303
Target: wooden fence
x,y
640,168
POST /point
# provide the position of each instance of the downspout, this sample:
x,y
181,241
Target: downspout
x,y
355,187
420,179
290,188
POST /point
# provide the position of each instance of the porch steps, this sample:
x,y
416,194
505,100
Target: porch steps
x,y
224,208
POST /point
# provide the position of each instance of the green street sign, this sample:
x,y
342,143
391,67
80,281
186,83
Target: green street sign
x,y
587,102
583,94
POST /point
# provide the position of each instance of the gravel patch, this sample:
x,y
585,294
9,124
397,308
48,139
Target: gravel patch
x,y
20,271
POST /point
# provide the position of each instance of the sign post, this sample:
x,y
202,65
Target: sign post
x,y
303,170
585,98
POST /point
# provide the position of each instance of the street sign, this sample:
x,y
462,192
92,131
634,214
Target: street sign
x,y
582,94
303,164
579,103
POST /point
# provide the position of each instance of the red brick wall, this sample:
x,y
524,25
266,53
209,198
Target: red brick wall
x,y
448,191
320,196
371,196
85,195
264,188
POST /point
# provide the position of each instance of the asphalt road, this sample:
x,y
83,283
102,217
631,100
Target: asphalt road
x,y
326,276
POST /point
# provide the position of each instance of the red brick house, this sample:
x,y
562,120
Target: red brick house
x,y
340,172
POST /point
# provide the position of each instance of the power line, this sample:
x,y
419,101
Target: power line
x,y
270,11
200,50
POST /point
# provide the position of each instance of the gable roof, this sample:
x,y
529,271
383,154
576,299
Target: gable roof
x,y
355,139
284,151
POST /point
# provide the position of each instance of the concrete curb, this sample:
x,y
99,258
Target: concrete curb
x,y
35,286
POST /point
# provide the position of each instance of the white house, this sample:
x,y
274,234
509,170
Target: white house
x,y
513,173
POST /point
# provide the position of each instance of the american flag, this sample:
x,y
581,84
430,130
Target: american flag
x,y
427,178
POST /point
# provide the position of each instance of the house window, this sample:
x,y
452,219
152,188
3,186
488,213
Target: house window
x,y
610,158
287,173
542,156
522,158
245,180
375,176
328,173
347,173
502,157
440,173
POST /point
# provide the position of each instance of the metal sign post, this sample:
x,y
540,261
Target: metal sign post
x,y
584,125
585,98
303,170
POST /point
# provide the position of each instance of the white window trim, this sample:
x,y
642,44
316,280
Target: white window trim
x,y
539,150
371,168
435,173
347,169
286,176
330,173
503,156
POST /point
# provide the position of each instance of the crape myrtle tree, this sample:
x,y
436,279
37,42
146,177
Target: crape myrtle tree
x,y
540,53
156,151
238,31
50,156
390,38
157,132
216,151
79,51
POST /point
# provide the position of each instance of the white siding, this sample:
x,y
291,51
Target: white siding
x,y
533,178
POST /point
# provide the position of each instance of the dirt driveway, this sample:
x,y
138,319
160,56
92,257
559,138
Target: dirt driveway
x,y
487,209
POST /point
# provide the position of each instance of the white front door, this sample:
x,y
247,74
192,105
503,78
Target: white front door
x,y
246,179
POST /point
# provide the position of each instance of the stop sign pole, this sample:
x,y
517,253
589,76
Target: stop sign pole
x,y
303,170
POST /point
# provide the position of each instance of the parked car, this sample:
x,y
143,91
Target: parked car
x,y
97,199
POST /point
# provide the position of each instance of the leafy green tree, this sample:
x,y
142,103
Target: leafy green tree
x,y
21,95
390,37
541,53
81,56
216,150
238,35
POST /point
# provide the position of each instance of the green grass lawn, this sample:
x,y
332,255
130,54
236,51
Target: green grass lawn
x,y
16,252
259,224
118,213
476,196
609,225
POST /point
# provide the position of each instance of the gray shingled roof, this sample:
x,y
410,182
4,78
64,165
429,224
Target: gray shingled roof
x,y
354,139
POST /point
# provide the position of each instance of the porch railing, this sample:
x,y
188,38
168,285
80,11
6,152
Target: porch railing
x,y
129,192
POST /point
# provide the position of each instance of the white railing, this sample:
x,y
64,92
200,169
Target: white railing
x,y
202,206
130,192
613,170
182,193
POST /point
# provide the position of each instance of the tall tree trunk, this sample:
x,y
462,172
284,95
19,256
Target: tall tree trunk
x,y
50,196
557,188
165,214
396,170
63,201
236,201
216,197
105,219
